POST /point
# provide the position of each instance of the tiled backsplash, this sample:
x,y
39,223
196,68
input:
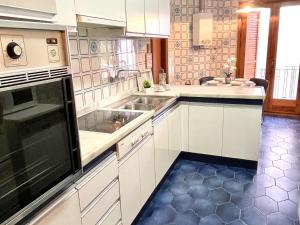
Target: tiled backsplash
x,y
189,63
95,59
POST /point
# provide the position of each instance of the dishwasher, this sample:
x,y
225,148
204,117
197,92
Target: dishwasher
x,y
136,170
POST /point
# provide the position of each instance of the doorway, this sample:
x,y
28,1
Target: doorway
x,y
271,50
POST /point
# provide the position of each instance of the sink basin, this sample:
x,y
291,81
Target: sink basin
x,y
151,100
138,106
143,103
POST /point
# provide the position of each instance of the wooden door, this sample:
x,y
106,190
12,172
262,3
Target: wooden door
x,y
283,95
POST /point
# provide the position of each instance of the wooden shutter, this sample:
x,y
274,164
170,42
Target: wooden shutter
x,y
251,44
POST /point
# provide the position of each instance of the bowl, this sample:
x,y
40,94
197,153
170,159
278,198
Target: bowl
x,y
212,82
236,83
220,79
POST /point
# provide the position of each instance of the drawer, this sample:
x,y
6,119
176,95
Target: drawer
x,y
133,139
96,181
101,205
113,216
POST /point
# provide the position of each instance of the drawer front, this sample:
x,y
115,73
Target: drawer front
x,y
132,140
113,217
95,183
101,205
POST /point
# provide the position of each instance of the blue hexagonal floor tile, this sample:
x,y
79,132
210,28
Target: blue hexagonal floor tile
x,y
219,196
228,212
201,193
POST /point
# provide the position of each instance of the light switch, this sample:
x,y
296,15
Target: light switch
x,y
53,53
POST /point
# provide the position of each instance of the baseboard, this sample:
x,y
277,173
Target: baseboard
x,y
248,164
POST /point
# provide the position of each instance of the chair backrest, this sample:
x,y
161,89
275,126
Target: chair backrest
x,y
261,82
203,80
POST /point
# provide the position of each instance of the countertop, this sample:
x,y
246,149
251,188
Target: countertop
x,y
224,91
94,143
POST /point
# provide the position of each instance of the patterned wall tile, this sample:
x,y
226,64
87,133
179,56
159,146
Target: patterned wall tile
x,y
94,60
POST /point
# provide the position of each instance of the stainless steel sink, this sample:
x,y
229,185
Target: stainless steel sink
x,y
144,103
138,106
149,100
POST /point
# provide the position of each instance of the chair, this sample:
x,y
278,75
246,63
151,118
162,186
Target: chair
x,y
261,83
203,80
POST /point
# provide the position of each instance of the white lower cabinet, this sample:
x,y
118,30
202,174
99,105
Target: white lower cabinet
x,y
184,125
147,170
205,128
65,210
241,131
130,188
113,216
101,204
137,180
174,125
161,143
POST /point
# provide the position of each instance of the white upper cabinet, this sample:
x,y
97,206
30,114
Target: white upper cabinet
x,y
103,12
148,17
65,13
29,9
50,11
135,12
164,17
152,17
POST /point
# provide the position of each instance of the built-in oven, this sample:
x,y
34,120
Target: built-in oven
x,y
39,144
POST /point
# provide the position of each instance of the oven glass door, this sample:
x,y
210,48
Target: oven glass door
x,y
34,144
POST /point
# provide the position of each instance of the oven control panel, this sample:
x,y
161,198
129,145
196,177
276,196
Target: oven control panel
x,y
31,49
13,50
133,139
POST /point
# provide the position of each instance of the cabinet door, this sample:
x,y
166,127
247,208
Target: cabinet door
x,y
130,188
174,134
241,132
103,9
164,17
161,143
66,14
152,16
63,211
205,128
147,170
184,119
135,12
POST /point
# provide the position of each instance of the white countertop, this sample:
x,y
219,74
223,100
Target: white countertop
x,y
224,91
93,143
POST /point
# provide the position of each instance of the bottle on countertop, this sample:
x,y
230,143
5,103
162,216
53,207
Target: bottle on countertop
x,y
162,77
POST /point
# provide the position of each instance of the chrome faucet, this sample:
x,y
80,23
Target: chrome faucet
x,y
119,71
127,70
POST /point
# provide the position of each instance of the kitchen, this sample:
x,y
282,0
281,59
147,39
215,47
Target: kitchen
x,y
104,121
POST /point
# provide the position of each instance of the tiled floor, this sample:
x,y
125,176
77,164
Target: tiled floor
x,y
197,193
